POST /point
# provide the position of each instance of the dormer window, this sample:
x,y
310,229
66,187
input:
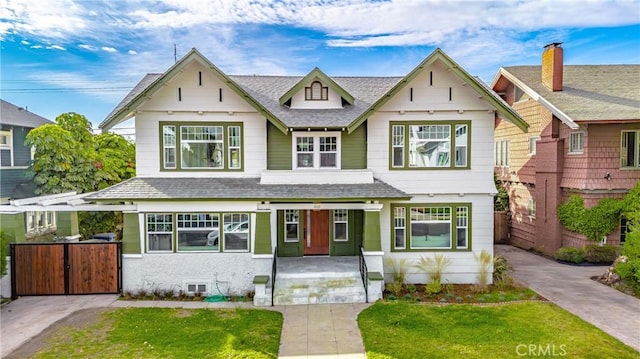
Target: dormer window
x,y
316,92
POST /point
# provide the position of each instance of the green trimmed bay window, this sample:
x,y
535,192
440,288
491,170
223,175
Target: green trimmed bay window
x,y
197,232
424,227
201,146
430,145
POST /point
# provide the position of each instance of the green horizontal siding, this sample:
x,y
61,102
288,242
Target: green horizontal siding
x,y
278,149
354,149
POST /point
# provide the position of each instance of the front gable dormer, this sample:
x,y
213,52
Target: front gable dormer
x,y
316,91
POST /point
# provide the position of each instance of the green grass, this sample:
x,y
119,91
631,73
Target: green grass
x,y
405,330
172,333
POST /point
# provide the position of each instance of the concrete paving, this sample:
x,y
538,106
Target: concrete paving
x,y
572,288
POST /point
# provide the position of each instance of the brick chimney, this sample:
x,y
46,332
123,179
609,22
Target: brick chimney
x,y
552,66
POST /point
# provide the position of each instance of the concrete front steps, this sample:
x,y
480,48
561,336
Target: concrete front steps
x,y
318,288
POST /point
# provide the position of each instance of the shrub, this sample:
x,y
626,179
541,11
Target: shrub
x,y
4,252
600,254
630,270
395,288
433,267
570,254
501,278
595,222
485,259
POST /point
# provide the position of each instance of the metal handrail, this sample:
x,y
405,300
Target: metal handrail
x,y
364,273
274,265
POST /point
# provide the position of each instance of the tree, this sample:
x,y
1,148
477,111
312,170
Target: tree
x,y
68,157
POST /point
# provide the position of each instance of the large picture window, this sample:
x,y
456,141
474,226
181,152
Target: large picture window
x,y
430,145
630,149
198,232
316,150
201,146
431,227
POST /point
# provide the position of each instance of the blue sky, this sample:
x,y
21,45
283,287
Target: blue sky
x,y
83,56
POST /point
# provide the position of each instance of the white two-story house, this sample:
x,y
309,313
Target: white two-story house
x,y
234,170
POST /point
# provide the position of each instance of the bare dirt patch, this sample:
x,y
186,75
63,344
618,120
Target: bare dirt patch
x,y
55,332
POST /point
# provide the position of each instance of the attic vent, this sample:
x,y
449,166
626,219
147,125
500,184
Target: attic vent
x,y
430,78
450,93
411,94
179,93
220,94
316,92
199,78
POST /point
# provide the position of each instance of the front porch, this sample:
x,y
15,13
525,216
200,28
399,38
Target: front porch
x,y
316,280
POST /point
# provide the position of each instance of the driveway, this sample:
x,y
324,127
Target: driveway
x,y
571,288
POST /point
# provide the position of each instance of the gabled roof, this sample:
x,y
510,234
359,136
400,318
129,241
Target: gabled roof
x,y
11,114
590,93
501,107
266,93
152,83
160,188
326,80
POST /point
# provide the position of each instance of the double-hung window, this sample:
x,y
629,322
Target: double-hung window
x,y
236,232
291,218
340,225
316,150
532,145
422,145
201,146
630,149
576,142
427,227
160,232
502,153
6,149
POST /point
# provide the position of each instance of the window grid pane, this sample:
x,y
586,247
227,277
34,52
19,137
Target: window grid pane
x,y
291,217
169,144
236,232
340,225
198,232
160,232
461,145
429,146
234,146
462,227
399,219
397,142
328,151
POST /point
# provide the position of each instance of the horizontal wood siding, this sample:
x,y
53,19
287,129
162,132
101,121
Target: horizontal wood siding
x,y
354,149
278,149
93,268
131,234
10,178
21,153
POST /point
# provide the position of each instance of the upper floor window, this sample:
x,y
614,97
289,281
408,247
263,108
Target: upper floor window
x,y
576,142
429,145
427,227
532,145
502,153
316,92
316,150
210,146
630,149
5,140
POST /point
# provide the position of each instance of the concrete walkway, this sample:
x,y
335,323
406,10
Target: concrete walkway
x,y
321,331
571,288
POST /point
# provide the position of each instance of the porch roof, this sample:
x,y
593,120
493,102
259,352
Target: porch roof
x,y
193,189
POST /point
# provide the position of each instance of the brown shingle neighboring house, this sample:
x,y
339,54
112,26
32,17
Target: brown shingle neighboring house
x,y
583,139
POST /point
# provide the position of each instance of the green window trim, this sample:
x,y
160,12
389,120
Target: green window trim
x,y
459,218
457,157
231,141
164,225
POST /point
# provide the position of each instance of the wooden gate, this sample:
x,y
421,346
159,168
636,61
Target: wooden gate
x,y
65,268
500,228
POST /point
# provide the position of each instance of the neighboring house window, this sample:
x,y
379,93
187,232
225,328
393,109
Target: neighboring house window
x,y
532,145
6,149
429,145
630,149
316,92
5,140
236,232
37,221
427,227
316,150
198,232
340,225
202,146
159,232
576,142
531,208
291,220
502,153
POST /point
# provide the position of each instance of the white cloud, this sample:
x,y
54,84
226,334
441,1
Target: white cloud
x,y
88,47
108,49
25,42
37,47
56,47
131,52
44,19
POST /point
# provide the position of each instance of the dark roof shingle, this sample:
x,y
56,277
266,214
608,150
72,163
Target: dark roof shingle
x,y
11,114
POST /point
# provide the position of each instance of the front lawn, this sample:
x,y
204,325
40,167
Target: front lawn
x,y
171,333
408,330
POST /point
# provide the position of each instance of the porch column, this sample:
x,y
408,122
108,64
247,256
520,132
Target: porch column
x,y
67,223
371,240
263,232
131,233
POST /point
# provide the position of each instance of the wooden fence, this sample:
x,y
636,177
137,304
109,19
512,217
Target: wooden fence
x,y
500,227
65,268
